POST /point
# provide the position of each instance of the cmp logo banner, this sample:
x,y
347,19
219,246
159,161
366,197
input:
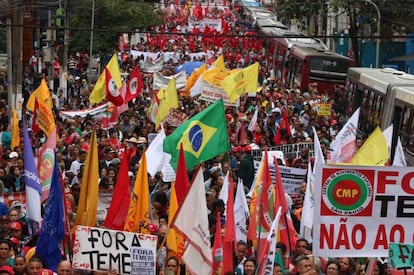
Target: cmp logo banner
x,y
347,192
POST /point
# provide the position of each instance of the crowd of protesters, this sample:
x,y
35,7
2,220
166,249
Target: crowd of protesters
x,y
132,132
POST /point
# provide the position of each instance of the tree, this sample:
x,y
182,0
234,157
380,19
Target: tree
x,y
396,17
112,17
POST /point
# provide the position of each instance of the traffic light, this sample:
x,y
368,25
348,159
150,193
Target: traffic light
x,y
60,36
45,37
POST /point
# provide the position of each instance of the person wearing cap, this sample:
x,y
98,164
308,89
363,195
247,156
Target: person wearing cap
x,y
6,270
246,170
108,157
16,232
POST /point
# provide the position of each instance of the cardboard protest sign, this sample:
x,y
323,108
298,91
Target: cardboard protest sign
x,y
98,249
401,255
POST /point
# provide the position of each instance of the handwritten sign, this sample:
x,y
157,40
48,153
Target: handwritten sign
x,y
401,255
325,109
99,249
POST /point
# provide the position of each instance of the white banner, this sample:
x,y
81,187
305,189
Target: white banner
x,y
201,24
98,112
212,93
359,210
99,249
161,80
292,178
153,66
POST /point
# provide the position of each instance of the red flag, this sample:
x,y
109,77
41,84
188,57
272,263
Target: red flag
x,y
182,184
218,248
135,85
35,125
242,133
112,91
118,210
287,231
230,232
284,124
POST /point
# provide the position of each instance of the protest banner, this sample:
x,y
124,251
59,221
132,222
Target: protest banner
x,y
401,256
143,260
98,249
292,178
212,93
325,109
360,210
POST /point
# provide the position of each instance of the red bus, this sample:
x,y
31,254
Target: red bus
x,y
301,59
306,65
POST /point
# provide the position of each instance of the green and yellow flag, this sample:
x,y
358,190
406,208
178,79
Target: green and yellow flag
x,y
244,81
204,136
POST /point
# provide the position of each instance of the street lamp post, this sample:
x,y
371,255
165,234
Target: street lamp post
x,y
378,31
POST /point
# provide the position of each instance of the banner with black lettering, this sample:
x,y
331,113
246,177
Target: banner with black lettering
x,y
143,260
362,209
98,249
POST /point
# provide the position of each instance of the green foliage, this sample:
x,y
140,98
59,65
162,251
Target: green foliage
x,y
112,17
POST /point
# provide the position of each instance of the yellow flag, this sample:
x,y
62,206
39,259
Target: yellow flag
x,y
99,90
43,96
175,242
45,118
88,201
15,136
374,151
191,80
244,81
214,76
219,63
168,100
138,218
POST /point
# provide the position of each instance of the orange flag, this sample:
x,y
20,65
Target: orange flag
x,y
138,218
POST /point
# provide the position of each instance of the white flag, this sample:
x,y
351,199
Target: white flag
x,y
224,193
192,221
252,124
399,157
270,250
343,147
388,137
306,222
197,87
241,212
155,154
319,158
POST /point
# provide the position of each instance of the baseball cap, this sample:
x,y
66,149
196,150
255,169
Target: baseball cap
x,y
7,268
109,150
15,226
16,204
237,149
13,155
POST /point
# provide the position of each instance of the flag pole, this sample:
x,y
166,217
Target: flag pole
x,y
258,240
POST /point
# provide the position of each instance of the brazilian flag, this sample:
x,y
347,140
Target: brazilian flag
x,y
203,136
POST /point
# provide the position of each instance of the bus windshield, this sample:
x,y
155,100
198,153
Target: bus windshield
x,y
318,63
